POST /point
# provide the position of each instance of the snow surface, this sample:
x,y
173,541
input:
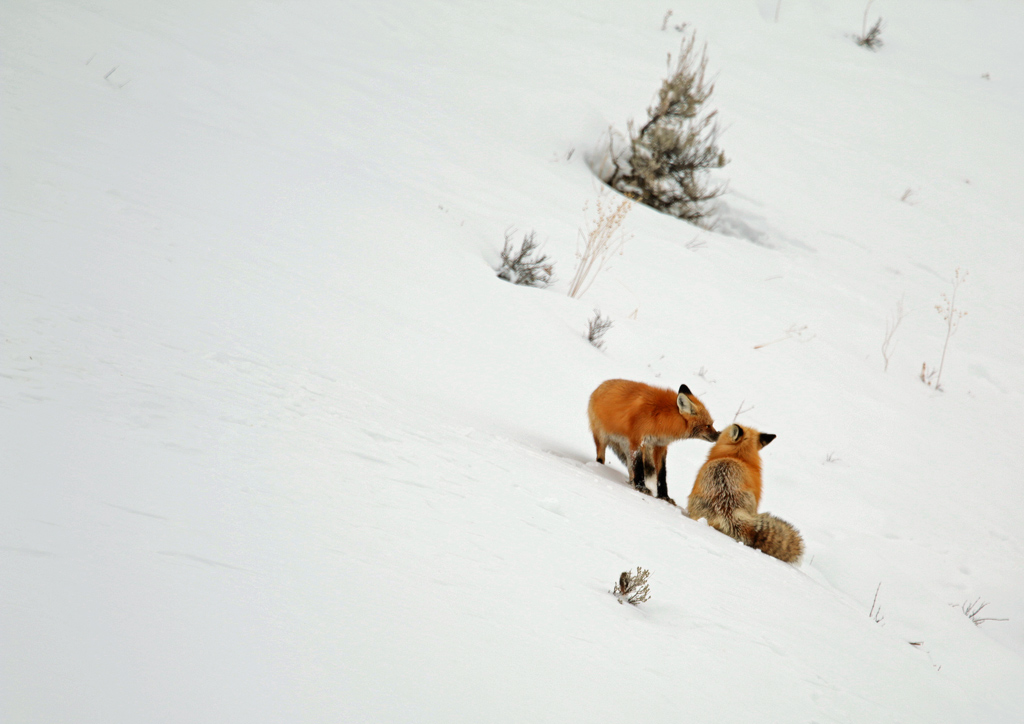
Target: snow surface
x,y
278,446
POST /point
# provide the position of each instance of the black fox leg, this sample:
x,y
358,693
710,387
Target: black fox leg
x,y
663,480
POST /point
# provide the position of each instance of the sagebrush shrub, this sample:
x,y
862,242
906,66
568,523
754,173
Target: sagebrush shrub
x,y
525,266
596,328
632,588
664,164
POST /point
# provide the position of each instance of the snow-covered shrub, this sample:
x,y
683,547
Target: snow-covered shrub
x,y
632,588
522,266
664,164
596,328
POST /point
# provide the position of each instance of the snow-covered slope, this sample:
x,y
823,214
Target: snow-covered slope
x,y
277,445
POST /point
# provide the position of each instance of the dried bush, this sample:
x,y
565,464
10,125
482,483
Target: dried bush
x,y
664,164
632,588
972,611
870,38
891,325
522,266
598,239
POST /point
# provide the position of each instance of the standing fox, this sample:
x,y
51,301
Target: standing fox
x,y
639,421
728,491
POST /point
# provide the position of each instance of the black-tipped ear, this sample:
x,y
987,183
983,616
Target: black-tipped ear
x,y
684,390
766,437
736,432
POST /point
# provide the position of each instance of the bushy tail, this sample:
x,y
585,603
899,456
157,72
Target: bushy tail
x,y
776,537
763,531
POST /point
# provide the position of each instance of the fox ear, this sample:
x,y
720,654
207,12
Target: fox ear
x,y
684,390
766,437
686,407
735,432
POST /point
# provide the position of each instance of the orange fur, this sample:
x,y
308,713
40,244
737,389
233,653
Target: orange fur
x,y
748,452
639,421
727,493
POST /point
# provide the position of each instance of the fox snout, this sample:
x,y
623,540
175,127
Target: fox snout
x,y
708,433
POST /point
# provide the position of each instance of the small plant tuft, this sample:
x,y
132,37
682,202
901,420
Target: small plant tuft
x,y
524,266
703,374
596,328
664,164
891,325
870,38
632,588
876,611
972,611
741,410
951,315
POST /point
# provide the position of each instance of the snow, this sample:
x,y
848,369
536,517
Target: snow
x,y
277,445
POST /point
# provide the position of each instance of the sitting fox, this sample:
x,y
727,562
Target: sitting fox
x,y
638,422
728,490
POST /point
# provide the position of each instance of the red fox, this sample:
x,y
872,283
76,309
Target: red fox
x,y
728,490
639,421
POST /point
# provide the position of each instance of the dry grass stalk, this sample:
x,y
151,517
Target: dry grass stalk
x,y
598,240
891,325
952,316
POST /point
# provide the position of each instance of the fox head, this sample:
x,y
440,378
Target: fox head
x,y
701,424
739,441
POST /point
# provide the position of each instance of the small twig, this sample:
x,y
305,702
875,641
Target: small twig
x,y
793,331
110,72
952,316
891,325
703,374
864,23
971,611
873,613
741,411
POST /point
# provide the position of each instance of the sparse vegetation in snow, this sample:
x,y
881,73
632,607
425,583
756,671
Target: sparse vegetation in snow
x,y
525,266
597,326
973,611
870,38
951,315
598,238
665,163
632,588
